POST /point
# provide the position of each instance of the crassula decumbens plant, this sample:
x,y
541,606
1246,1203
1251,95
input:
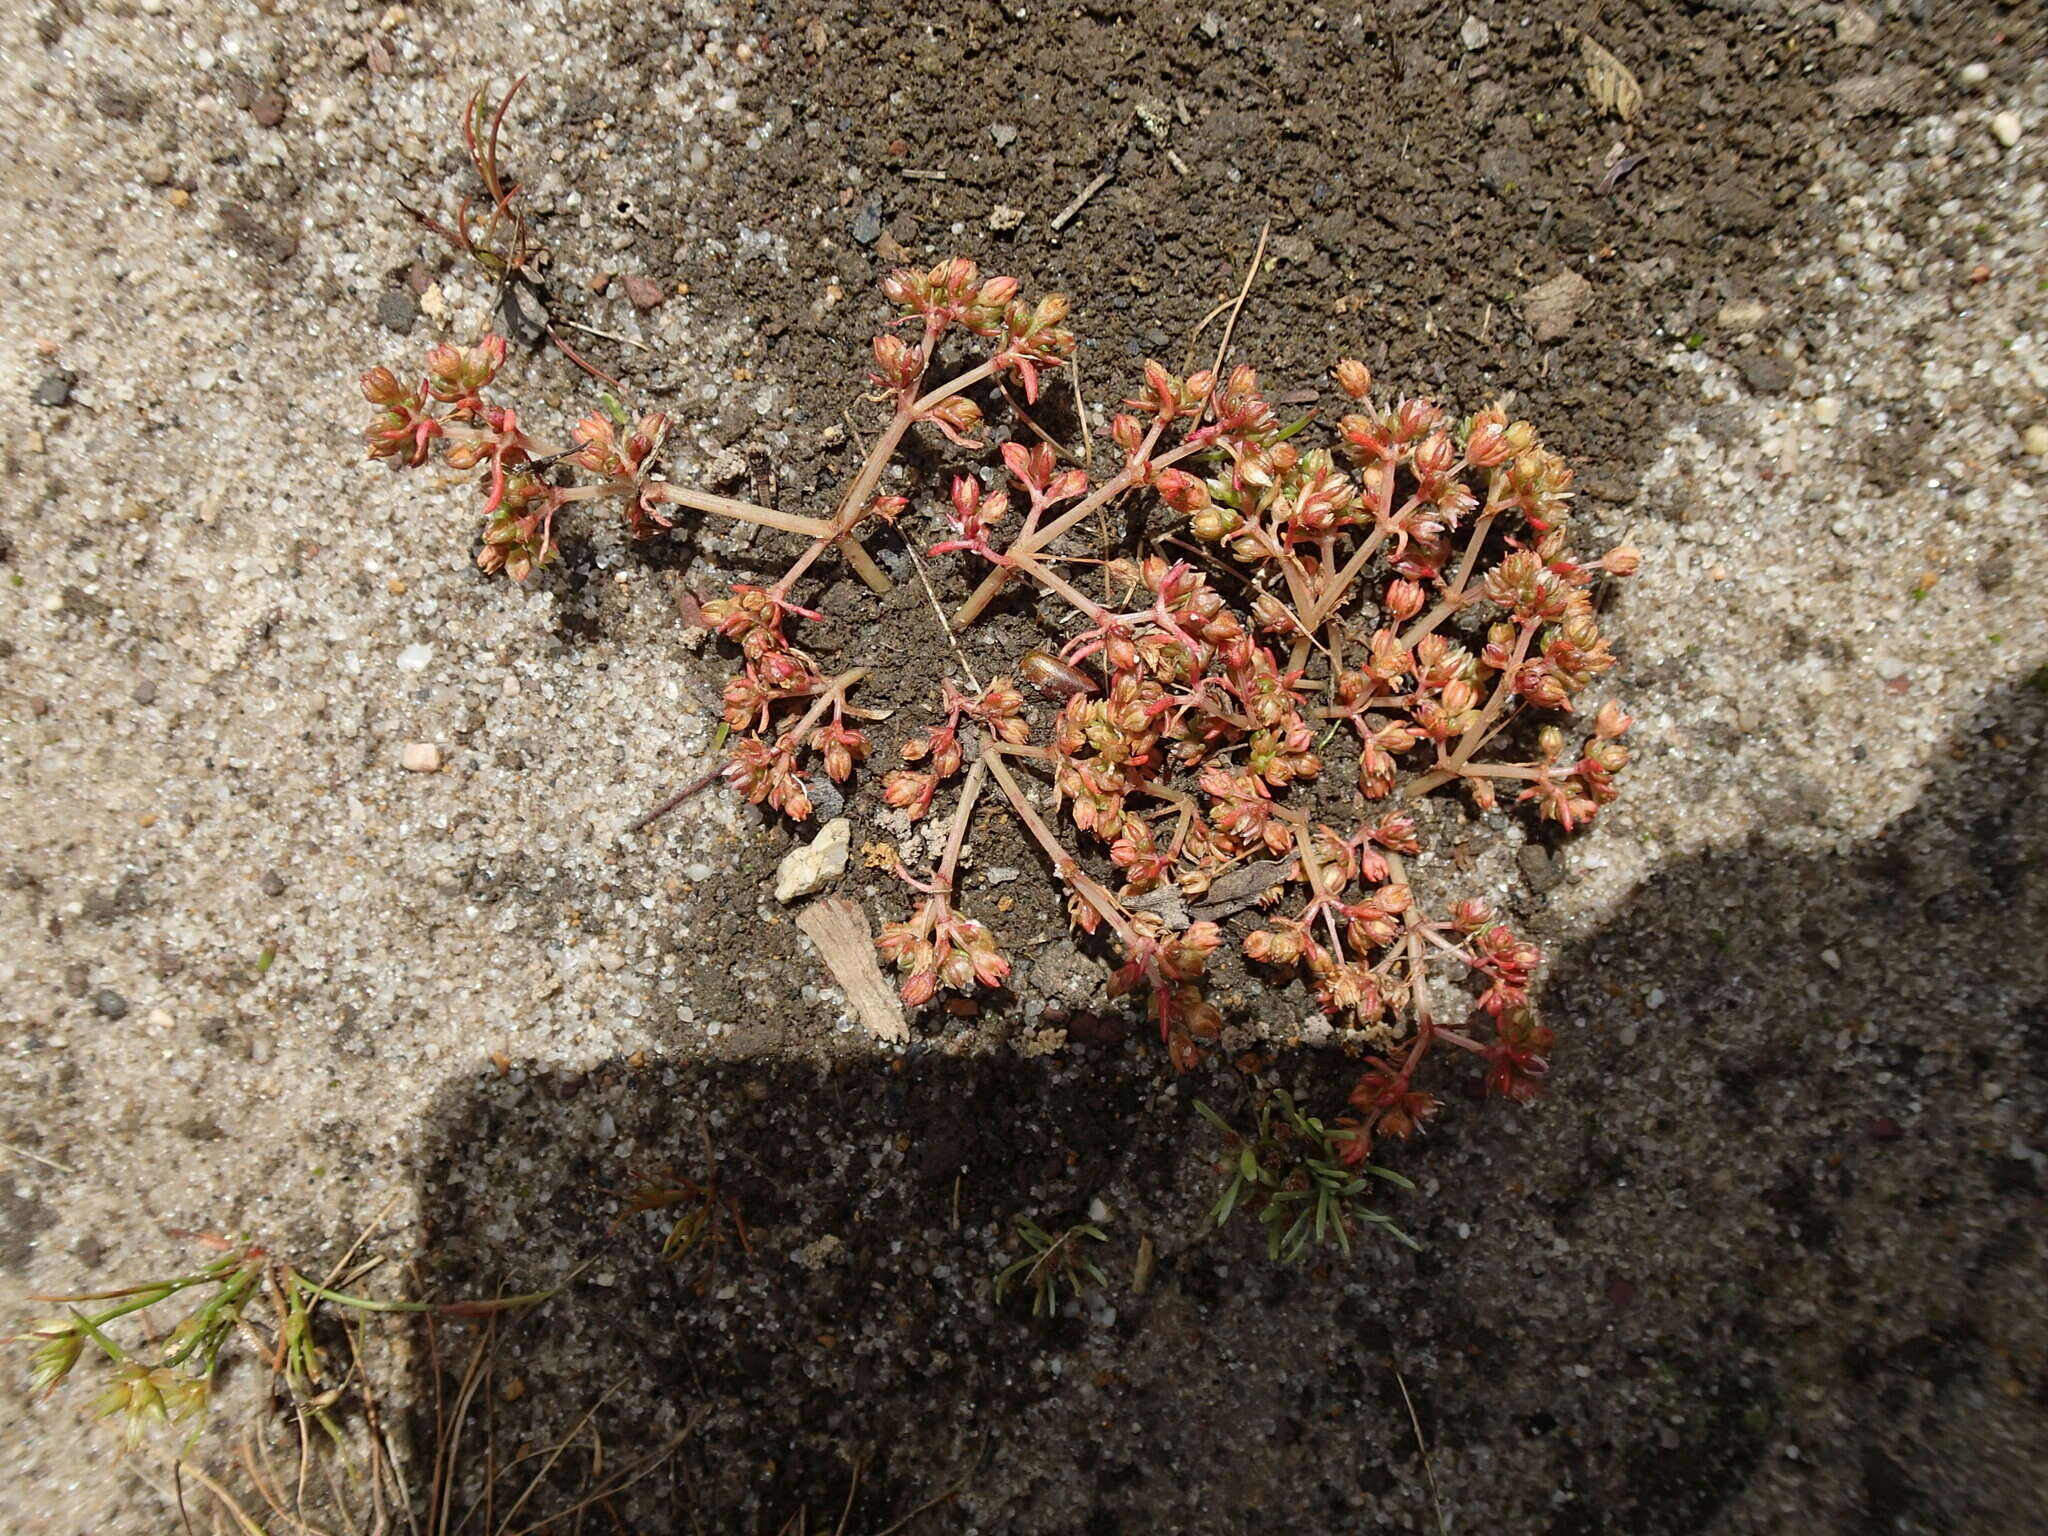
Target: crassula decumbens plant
x,y
1396,605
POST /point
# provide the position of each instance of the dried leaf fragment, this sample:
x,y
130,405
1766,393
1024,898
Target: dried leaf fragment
x,y
1613,86
840,930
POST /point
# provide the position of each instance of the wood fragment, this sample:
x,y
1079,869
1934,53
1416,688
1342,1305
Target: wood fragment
x,y
840,930
1066,214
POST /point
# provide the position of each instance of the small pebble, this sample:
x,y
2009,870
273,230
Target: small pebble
x,y
397,310
1475,34
2034,441
2005,128
272,883
1742,315
806,871
420,757
414,658
55,389
111,1004
1975,72
644,292
145,692
1827,410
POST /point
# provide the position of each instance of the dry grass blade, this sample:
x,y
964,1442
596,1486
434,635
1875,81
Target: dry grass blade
x,y
1427,1471
650,1463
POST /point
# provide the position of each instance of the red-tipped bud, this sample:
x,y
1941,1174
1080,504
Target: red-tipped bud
x,y
1415,418
1354,378
1181,491
381,387
959,418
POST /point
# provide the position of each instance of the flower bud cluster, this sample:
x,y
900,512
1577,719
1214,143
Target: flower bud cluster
x,y
773,674
519,505
1411,588
938,948
1397,608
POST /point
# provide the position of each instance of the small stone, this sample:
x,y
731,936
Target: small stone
x,y
1475,34
867,225
1764,374
397,310
269,109
420,757
727,469
55,389
1827,410
1553,308
1003,218
645,292
2034,441
1855,27
145,692
1742,314
272,883
414,658
1894,90
1005,134
77,979
2005,128
110,1004
1974,73
808,870
827,800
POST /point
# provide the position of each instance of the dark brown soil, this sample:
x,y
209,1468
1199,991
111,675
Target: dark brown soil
x,y
1627,1336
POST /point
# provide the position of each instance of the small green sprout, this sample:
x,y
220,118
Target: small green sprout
x,y
1293,1175
244,1293
1051,1261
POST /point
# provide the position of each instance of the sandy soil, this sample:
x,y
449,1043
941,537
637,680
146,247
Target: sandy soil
x,y
1767,1258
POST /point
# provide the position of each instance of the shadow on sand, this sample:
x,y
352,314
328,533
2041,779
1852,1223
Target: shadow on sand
x,y
1767,1258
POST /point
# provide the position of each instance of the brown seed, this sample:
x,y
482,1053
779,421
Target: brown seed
x,y
1053,678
